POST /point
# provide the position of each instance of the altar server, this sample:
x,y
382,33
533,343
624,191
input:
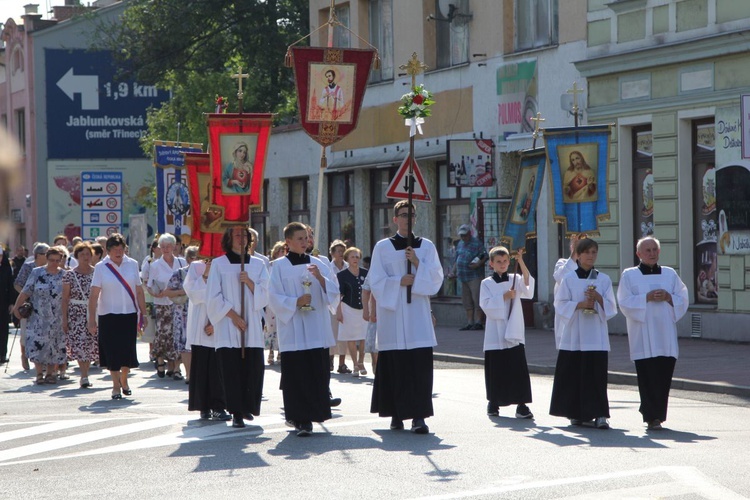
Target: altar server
x,y
506,374
303,294
563,267
653,298
405,337
241,372
584,301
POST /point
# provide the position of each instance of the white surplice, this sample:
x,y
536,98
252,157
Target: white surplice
x,y
504,330
562,267
652,326
582,331
223,294
197,317
300,330
401,325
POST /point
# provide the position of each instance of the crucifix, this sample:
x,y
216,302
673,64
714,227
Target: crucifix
x,y
536,119
239,76
575,91
412,68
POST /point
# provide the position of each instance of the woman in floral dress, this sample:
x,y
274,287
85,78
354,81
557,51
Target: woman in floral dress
x,y
45,341
81,345
176,293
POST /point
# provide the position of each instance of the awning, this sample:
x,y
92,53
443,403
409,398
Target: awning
x,y
378,158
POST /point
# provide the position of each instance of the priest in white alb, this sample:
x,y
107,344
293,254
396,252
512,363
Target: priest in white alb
x,y
302,294
241,372
653,298
405,333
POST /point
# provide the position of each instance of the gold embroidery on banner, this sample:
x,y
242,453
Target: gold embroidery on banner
x,y
328,133
333,56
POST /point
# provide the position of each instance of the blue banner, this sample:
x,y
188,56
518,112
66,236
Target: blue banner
x,y
577,159
520,224
91,113
172,193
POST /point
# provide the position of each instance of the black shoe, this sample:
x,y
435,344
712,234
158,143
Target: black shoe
x,y
205,415
291,423
343,369
396,424
522,411
170,373
220,415
237,421
469,326
117,396
127,391
418,426
492,410
335,402
248,416
177,376
478,326
304,429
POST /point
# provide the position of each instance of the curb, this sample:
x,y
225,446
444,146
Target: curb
x,y
620,378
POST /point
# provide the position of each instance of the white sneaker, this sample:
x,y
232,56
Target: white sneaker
x,y
601,423
355,372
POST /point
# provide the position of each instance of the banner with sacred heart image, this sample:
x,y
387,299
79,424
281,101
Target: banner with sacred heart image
x,y
520,224
331,84
239,144
577,160
207,217
172,197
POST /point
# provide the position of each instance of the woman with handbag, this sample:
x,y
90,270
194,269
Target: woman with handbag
x,y
45,341
82,346
176,293
116,299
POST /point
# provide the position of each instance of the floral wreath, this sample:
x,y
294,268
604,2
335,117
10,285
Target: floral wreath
x,y
222,104
416,104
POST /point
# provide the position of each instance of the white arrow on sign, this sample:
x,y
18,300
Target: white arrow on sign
x,y
86,85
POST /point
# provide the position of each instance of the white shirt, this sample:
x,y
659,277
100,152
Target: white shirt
x,y
302,330
160,272
652,326
562,267
224,294
114,298
401,325
197,316
501,331
582,331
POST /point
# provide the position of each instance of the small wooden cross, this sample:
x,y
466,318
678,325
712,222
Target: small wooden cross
x,y
413,68
239,76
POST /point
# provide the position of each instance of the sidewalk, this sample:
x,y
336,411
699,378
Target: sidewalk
x,y
703,365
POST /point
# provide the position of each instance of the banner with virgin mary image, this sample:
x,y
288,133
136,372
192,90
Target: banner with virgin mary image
x,y
331,83
207,218
520,224
172,198
239,143
577,160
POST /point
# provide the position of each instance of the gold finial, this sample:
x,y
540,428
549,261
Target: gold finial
x,y
537,119
413,68
239,76
575,91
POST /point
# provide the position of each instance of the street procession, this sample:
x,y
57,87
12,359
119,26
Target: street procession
x,y
383,225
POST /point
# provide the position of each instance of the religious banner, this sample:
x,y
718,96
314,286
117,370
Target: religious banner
x,y
577,160
207,218
239,144
520,224
331,83
471,162
172,198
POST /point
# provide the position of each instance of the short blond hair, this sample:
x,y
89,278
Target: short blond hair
x,y
350,251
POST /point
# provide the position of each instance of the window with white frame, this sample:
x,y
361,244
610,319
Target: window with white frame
x,y
341,36
536,23
452,32
381,37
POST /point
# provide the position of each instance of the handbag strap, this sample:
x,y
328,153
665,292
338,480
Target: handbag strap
x,y
123,282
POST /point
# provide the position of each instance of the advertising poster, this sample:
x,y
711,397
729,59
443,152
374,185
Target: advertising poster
x,y
471,163
517,97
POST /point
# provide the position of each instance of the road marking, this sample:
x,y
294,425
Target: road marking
x,y
686,480
42,429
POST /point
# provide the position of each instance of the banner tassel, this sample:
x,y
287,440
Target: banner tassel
x,y
376,61
288,58
323,161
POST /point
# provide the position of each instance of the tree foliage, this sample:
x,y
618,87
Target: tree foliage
x,y
192,47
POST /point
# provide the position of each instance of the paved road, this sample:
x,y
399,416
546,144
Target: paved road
x,y
61,441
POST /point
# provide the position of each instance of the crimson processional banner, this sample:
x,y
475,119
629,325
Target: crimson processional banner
x,y
172,198
239,143
520,224
331,83
577,158
207,217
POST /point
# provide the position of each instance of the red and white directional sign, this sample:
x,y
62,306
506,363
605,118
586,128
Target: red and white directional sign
x,y
399,187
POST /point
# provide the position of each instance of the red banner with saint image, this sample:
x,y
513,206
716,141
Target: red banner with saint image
x,y
331,84
239,144
206,217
